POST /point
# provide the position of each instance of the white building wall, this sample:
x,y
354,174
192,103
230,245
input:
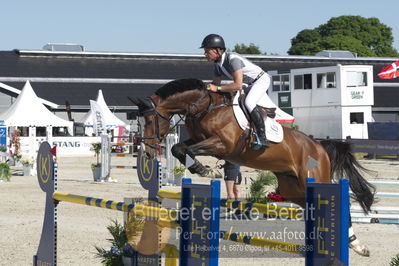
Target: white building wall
x,y
319,121
323,112
355,130
66,146
315,97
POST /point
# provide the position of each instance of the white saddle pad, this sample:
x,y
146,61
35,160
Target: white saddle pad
x,y
274,131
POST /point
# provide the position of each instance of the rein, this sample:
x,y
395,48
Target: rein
x,y
192,112
209,109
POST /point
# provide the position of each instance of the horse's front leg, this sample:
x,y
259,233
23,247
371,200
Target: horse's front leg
x,y
180,150
212,147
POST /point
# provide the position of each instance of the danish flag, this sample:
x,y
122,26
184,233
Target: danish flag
x,y
389,72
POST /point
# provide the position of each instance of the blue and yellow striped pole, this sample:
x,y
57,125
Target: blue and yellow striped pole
x,y
166,217
168,194
269,209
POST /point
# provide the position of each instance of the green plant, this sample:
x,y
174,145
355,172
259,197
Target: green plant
x,y
3,148
96,147
394,261
121,236
118,241
179,170
5,172
257,188
17,156
27,161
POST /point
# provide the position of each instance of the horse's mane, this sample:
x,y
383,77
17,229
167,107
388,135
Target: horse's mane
x,y
179,85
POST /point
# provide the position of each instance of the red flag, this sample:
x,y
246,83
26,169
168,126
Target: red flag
x,y
390,72
53,151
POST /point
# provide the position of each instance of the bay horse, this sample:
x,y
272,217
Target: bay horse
x,y
214,131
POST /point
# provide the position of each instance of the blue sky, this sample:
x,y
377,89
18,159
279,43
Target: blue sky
x,y
175,26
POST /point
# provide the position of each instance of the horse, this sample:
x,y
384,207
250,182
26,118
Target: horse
x,y
214,131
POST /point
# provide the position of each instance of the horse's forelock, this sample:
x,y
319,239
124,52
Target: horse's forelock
x,y
178,86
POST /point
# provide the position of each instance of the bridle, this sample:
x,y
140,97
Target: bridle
x,y
153,111
192,112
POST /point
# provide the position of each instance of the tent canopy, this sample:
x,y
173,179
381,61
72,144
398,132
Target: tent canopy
x,y
110,120
28,110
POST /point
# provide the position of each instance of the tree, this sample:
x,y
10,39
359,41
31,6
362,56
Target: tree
x,y
364,36
345,43
307,42
243,49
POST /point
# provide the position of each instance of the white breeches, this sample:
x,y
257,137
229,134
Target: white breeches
x,y
258,95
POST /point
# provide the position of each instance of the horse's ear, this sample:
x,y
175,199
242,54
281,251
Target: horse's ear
x,y
141,104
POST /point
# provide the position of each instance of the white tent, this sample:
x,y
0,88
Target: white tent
x,y
110,120
29,111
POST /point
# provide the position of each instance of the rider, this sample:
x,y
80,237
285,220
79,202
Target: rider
x,y
243,73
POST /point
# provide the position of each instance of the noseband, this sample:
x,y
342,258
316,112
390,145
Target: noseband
x,y
157,115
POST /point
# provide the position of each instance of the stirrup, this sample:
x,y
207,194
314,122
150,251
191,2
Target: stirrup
x,y
263,141
257,144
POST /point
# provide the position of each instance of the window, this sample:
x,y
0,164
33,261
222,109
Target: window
x,y
303,82
326,80
276,83
24,131
307,81
356,79
298,82
41,132
357,118
285,82
281,83
60,131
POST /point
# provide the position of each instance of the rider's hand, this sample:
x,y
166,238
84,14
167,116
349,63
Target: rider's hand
x,y
212,87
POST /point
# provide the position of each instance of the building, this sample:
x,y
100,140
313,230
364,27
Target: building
x,y
71,78
332,101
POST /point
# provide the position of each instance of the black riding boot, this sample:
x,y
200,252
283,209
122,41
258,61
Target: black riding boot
x,y
257,119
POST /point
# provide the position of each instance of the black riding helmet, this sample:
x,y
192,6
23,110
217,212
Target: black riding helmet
x,y
213,41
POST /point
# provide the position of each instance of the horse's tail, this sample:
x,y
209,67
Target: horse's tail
x,y
343,163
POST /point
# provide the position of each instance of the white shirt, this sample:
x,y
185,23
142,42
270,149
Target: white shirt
x,y
231,62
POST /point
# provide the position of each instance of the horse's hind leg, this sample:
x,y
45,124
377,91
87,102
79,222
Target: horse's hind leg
x,y
354,243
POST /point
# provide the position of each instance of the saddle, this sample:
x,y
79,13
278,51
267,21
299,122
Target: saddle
x,y
266,112
246,136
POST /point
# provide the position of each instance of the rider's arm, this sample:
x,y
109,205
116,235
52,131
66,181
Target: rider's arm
x,y
234,86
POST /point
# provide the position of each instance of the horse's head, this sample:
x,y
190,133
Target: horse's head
x,y
156,125
183,97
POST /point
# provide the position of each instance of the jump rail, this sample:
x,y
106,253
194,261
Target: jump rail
x,y
195,250
269,209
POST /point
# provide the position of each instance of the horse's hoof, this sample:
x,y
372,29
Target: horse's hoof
x,y
214,174
362,250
